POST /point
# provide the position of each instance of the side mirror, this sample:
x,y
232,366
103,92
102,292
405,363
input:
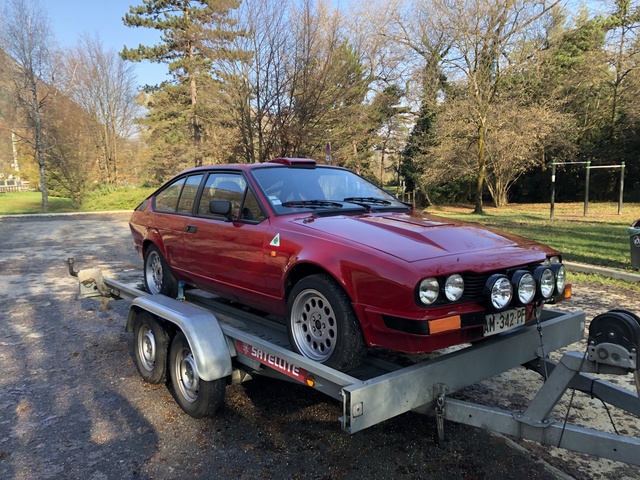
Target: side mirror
x,y
221,207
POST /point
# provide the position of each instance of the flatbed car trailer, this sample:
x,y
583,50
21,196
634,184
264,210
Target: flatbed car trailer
x,y
226,344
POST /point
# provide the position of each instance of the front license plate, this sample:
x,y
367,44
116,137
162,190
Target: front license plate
x,y
503,321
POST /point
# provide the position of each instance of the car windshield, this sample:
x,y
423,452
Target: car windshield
x,y
323,190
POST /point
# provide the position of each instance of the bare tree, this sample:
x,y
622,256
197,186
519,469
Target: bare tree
x,y
305,84
259,83
104,86
486,33
26,37
623,53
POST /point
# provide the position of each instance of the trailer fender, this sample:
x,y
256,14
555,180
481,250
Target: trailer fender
x,y
210,349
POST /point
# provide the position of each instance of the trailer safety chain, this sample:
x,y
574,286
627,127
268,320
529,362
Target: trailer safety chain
x,y
439,409
573,394
593,395
536,313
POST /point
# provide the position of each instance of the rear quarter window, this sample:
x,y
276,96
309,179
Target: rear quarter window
x,y
167,199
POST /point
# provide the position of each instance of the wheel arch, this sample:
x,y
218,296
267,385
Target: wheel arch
x,y
211,351
305,269
152,241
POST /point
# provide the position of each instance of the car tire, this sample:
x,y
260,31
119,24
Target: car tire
x,y
151,345
157,274
196,397
322,325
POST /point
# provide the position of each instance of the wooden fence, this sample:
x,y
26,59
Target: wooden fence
x,y
14,188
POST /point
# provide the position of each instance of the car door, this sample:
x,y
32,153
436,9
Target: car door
x,y
171,207
227,256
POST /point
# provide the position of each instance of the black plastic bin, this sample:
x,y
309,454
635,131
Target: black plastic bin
x,y
634,243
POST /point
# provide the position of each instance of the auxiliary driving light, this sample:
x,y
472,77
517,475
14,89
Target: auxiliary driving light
x,y
560,272
545,281
525,287
498,291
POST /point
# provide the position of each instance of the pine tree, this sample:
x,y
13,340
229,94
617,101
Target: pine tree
x,y
195,34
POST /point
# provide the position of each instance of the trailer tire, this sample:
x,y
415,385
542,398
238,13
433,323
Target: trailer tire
x,y
157,274
151,345
322,325
195,396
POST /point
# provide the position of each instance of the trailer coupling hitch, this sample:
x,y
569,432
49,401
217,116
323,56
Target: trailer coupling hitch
x,y
91,283
70,262
614,339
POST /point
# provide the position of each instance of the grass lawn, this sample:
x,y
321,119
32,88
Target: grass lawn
x,y
600,238
115,199
31,202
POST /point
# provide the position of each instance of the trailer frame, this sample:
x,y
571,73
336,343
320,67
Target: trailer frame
x,y
236,344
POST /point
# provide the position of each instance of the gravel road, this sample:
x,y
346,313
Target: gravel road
x,y
72,405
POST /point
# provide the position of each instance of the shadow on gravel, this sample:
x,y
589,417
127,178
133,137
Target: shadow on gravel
x,y
63,410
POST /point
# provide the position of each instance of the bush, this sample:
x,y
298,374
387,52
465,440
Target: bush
x,y
109,197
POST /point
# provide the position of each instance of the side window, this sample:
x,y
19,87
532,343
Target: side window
x,y
251,208
167,199
222,186
188,195
232,187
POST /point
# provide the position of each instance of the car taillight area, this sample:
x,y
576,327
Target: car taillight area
x,y
497,290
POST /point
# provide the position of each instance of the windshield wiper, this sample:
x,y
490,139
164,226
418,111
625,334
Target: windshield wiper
x,y
367,201
374,200
312,204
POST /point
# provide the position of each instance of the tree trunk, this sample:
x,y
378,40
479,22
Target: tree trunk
x,y
38,140
481,169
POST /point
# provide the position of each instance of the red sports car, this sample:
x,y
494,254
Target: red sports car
x,y
344,263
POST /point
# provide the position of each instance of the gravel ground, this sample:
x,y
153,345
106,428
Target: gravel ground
x,y
73,406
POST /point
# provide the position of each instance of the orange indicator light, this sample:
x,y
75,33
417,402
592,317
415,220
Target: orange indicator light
x,y
311,381
444,324
567,291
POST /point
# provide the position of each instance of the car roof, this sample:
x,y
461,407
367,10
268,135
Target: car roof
x,y
276,162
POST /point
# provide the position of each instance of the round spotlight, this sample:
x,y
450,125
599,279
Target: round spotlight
x,y
545,281
525,286
454,287
498,291
560,272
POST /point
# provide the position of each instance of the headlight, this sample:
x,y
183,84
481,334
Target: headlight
x,y
429,290
525,286
454,287
561,276
545,280
498,291
551,260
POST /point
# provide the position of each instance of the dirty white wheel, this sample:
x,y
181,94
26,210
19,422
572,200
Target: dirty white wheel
x,y
322,325
195,396
151,344
157,275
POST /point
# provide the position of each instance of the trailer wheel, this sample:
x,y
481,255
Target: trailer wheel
x,y
195,396
151,343
322,325
157,274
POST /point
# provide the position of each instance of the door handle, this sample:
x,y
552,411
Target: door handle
x,y
190,229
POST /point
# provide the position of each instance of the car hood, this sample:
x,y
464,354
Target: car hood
x,y
420,237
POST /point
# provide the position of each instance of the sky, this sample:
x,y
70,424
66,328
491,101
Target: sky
x,y
72,18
